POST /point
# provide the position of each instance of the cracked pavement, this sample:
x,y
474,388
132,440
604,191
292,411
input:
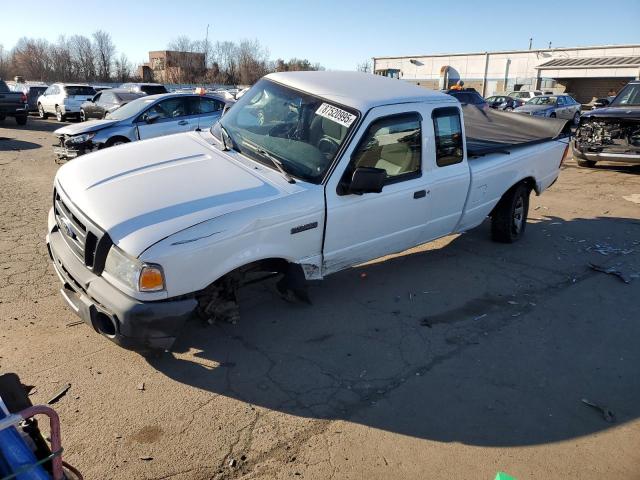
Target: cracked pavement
x,y
458,358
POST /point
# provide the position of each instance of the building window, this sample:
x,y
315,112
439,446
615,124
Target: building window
x,y
389,72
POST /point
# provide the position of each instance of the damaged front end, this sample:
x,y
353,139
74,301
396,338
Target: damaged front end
x,y
72,146
608,135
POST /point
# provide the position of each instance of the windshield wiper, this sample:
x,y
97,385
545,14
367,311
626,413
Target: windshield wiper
x,y
225,133
269,156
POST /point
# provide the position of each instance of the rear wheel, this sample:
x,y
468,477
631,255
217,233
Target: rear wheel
x,y
509,219
59,115
83,116
41,113
21,119
576,119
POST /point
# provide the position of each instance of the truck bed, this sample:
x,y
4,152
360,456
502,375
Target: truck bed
x,y
489,131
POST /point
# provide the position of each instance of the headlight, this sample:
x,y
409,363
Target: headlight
x,y
85,137
143,277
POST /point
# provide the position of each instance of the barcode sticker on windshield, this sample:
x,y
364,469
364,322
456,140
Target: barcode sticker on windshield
x,y
336,114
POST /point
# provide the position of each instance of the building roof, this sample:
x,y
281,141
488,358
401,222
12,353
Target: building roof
x,y
361,91
501,52
590,62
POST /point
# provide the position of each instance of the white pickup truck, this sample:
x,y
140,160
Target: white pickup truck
x,y
307,174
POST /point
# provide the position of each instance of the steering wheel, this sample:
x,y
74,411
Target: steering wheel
x,y
328,146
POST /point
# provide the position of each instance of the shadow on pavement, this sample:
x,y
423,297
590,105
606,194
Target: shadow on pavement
x,y
8,144
469,341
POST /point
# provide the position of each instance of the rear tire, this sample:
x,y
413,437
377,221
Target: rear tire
x,y
586,163
41,113
509,219
21,119
59,115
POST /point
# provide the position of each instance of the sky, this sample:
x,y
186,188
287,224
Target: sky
x,y
338,34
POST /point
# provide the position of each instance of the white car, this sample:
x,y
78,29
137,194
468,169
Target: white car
x,y
307,174
64,100
525,95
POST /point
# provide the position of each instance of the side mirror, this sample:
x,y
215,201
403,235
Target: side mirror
x,y
151,117
367,180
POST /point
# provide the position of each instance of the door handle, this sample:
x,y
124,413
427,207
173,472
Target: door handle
x,y
182,122
419,194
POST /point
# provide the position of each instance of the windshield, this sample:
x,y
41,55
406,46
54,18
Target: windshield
x,y
79,90
302,131
543,101
153,89
130,109
629,95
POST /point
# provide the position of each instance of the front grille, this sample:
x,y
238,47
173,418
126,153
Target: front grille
x,y
86,241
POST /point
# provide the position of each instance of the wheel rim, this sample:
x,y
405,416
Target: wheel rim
x,y
41,111
576,119
83,118
518,215
117,142
58,113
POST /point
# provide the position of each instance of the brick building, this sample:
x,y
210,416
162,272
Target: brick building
x,y
168,66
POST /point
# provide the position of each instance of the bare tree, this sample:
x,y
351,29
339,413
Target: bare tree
x,y
83,57
105,52
30,58
123,68
364,67
4,62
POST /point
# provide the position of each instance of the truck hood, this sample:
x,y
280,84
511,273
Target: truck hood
x,y
143,192
629,112
84,127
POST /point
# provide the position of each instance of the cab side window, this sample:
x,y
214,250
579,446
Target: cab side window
x,y
448,136
170,108
393,144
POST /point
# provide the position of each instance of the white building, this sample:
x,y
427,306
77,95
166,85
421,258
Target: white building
x,y
585,72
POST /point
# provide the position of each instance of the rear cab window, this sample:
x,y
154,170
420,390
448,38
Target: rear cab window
x,y
447,127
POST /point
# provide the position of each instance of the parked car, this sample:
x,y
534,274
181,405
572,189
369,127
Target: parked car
x,y
32,92
106,101
504,102
145,235
468,96
602,102
146,88
13,104
525,95
553,106
64,100
145,117
611,133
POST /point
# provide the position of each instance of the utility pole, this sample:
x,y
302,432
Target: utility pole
x,y
206,46
530,43
549,45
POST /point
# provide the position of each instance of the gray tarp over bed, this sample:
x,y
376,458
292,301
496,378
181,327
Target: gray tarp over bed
x,y
490,130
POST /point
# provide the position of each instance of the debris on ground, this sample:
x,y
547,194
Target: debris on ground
x,y
73,324
607,249
425,323
480,316
140,386
146,458
607,414
59,395
634,197
504,476
232,463
611,271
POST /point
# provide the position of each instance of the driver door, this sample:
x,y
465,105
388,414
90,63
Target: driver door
x,y
166,117
363,227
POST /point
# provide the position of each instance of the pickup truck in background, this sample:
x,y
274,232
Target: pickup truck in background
x,y
13,104
307,174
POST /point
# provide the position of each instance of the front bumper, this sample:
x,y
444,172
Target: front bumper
x,y
605,156
128,322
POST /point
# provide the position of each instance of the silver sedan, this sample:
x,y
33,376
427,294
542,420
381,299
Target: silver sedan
x,y
147,117
553,106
